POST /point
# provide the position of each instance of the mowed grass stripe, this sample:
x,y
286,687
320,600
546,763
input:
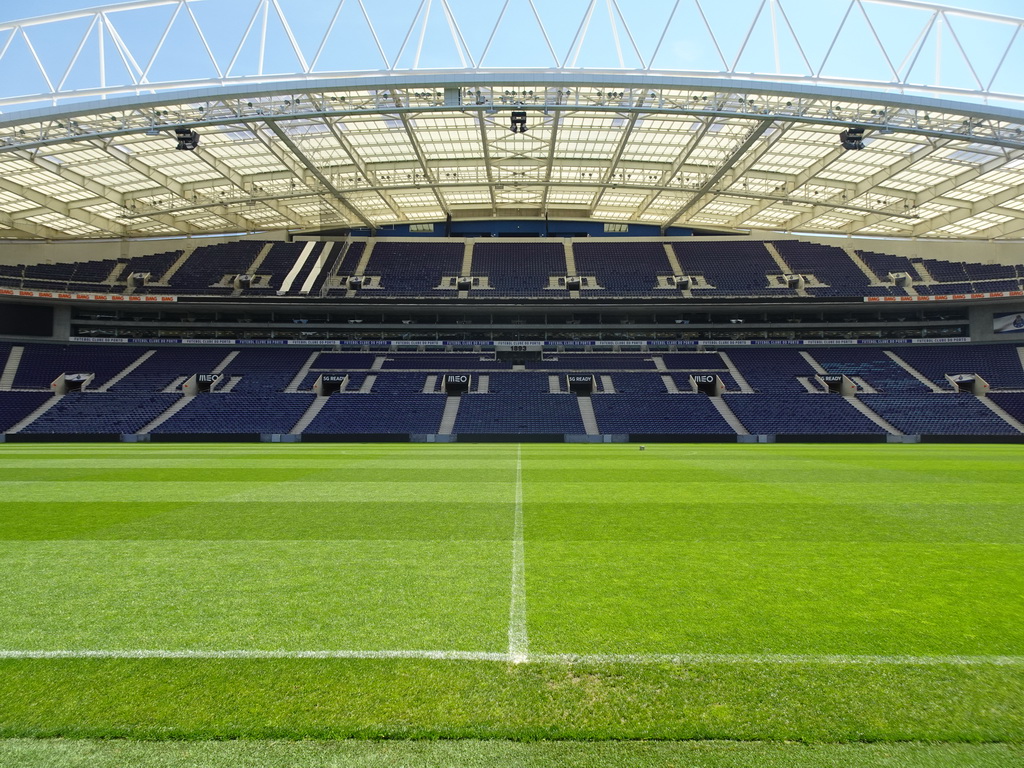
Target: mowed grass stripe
x,y
378,519
428,698
31,753
296,595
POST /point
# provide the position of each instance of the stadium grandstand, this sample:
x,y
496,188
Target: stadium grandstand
x,y
684,224
521,225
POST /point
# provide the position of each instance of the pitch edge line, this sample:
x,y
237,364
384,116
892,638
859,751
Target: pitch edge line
x,y
518,643
681,659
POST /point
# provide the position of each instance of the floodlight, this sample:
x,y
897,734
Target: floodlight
x,y
852,138
187,139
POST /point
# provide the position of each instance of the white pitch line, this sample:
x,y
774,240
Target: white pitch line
x,y
253,654
518,644
600,659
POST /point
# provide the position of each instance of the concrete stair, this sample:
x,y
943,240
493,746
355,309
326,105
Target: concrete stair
x,y
35,414
587,414
173,409
863,408
311,413
998,411
723,408
11,368
451,412
126,370
296,382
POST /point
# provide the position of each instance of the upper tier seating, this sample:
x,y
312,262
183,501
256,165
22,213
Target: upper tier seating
x,y
520,269
831,265
731,267
426,268
884,264
622,267
414,269
349,260
208,264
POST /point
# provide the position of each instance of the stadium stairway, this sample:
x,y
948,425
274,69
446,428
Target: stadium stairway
x,y
35,414
320,262
914,372
297,381
225,362
856,259
165,279
11,368
451,412
726,412
177,406
863,408
126,370
735,373
587,414
311,413
998,411
296,268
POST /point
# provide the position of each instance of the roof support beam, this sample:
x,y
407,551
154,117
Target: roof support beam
x,y
363,167
756,133
298,160
679,162
556,118
245,185
488,164
46,201
616,158
428,176
164,183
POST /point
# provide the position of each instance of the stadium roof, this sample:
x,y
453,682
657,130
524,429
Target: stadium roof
x,y
288,142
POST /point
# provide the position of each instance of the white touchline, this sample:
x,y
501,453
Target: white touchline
x,y
677,659
518,645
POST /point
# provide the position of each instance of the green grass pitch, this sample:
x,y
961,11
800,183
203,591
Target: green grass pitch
x,y
824,594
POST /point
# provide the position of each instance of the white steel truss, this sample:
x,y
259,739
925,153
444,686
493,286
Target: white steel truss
x,y
618,130
149,46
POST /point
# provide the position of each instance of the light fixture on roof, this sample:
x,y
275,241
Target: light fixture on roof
x,y
852,138
187,139
152,131
518,122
